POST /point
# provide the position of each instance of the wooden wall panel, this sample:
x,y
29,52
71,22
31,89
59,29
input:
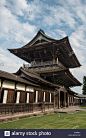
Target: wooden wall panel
x,y
22,97
31,97
42,94
34,96
10,96
39,96
52,97
0,94
47,97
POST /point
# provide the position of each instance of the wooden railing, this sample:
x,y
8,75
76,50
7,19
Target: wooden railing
x,y
39,64
9,109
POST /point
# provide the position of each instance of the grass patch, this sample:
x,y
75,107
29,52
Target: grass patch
x,y
52,121
83,107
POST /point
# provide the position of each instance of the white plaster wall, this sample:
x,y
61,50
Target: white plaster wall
x,y
36,96
18,97
44,97
29,88
50,97
27,98
20,86
5,96
8,84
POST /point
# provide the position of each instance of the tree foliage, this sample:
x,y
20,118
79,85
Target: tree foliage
x,y
84,85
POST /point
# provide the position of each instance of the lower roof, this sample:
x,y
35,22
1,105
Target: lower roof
x,y
16,78
36,77
82,95
63,78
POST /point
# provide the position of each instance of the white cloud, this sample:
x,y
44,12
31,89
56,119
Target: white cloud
x,y
80,54
2,2
59,15
20,20
60,33
11,28
9,62
80,72
17,6
29,10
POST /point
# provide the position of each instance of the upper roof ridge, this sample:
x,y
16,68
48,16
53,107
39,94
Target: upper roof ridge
x,y
41,31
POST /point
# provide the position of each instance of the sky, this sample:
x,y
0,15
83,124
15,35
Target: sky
x,y
20,20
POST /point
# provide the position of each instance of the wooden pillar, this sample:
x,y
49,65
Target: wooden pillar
x,y
41,61
68,100
25,98
84,100
73,101
14,99
49,98
59,99
0,94
1,90
65,99
54,98
53,59
34,98
42,99
25,94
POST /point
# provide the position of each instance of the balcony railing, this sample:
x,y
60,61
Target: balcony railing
x,y
39,64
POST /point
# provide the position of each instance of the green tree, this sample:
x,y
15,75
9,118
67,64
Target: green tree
x,y
84,85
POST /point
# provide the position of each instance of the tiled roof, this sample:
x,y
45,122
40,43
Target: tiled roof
x,y
13,77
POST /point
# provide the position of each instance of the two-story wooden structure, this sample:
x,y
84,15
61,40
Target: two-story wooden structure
x,y
46,80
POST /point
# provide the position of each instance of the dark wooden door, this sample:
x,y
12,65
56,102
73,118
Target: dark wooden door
x,y
31,97
22,97
10,96
39,96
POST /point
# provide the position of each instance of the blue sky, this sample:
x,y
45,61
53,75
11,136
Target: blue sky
x,y
20,20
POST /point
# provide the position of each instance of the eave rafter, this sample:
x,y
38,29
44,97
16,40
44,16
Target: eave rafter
x,y
63,77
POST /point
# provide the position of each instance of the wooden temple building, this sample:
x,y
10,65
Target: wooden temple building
x,y
43,83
